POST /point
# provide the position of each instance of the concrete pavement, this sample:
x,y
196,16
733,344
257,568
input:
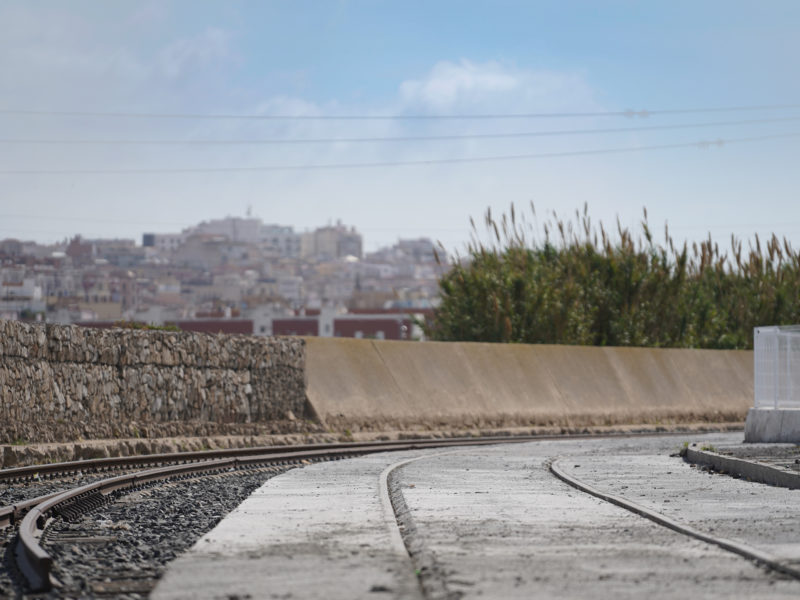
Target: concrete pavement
x,y
317,532
494,522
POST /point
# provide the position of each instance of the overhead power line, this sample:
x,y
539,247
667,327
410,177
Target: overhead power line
x,y
413,138
41,217
16,231
630,113
366,165
410,228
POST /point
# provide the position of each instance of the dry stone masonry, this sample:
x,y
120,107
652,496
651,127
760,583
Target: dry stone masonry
x,y
64,383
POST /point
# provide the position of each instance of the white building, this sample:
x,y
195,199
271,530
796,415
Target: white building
x,y
18,296
290,287
326,243
282,239
236,229
165,243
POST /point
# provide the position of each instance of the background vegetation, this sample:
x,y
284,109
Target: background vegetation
x,y
582,285
146,326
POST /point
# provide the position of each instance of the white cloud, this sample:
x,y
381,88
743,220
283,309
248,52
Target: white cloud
x,y
52,57
149,14
199,52
453,86
448,83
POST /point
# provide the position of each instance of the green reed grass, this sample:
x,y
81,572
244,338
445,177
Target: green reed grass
x,y
580,284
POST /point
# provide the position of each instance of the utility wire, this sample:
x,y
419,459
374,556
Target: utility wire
x,y
54,218
15,231
41,217
630,113
410,229
366,165
414,138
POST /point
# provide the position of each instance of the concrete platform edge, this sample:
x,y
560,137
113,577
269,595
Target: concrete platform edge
x,y
743,468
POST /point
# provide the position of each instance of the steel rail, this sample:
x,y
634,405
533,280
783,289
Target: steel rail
x,y
35,563
9,515
116,462
752,554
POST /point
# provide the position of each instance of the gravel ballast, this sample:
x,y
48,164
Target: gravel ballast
x,y
121,549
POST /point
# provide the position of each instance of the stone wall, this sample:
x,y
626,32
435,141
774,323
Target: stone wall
x,y
60,383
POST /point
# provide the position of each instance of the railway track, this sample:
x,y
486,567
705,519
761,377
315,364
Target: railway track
x,y
443,543
32,518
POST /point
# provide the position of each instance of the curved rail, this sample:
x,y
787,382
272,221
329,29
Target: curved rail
x,y
35,563
116,462
12,513
743,550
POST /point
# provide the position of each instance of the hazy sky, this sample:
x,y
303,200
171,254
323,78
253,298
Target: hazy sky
x,y
400,58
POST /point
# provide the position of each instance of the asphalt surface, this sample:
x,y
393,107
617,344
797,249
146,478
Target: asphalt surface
x,y
493,522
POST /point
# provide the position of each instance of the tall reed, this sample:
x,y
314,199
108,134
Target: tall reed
x,y
571,282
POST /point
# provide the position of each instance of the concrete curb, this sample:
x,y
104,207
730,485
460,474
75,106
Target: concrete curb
x,y
389,516
397,543
745,469
742,550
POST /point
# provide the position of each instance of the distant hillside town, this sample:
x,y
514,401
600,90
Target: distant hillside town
x,y
231,275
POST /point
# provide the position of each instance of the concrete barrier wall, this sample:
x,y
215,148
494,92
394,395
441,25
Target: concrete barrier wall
x,y
62,383
385,384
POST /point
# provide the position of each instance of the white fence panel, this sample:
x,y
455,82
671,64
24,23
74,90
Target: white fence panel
x,y
777,366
